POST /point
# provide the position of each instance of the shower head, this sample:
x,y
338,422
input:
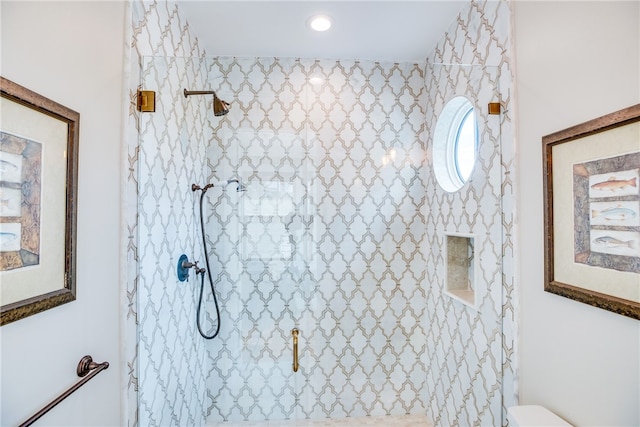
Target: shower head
x,y
240,187
220,107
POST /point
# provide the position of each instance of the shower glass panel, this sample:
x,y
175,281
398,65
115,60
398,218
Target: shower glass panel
x,y
260,249
265,254
465,338
328,240
265,244
171,358
339,234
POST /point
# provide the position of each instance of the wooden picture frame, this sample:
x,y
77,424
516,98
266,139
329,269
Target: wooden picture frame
x,y
38,195
592,212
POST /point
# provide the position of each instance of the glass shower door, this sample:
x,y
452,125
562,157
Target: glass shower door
x,y
259,243
339,234
263,249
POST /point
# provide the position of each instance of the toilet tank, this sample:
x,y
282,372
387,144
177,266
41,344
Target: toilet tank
x,y
534,416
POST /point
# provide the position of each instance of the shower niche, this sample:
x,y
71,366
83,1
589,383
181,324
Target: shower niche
x,y
460,268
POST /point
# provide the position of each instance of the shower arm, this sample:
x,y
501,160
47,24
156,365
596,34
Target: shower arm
x,y
220,107
199,92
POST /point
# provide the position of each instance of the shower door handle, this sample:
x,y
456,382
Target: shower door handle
x,y
294,334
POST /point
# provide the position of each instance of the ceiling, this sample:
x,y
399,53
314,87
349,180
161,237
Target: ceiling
x,y
375,30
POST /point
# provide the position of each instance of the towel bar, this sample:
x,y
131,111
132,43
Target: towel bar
x,y
88,369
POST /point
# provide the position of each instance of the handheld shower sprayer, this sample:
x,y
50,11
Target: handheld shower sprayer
x,y
195,187
220,107
239,189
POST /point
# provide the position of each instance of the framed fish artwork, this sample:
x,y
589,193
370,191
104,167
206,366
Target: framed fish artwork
x,y
38,197
592,212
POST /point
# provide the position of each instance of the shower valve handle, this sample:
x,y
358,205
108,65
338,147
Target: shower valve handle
x,y
183,268
188,264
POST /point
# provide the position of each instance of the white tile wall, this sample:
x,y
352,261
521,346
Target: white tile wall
x,y
325,239
338,234
164,351
471,372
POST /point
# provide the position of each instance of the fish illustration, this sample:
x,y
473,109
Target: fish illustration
x,y
609,241
6,167
613,184
614,213
6,237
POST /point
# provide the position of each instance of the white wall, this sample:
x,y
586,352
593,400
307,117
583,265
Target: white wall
x,y
72,53
574,61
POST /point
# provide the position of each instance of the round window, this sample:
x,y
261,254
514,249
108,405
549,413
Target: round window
x,y
455,144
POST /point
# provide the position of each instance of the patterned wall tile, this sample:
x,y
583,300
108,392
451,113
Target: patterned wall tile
x,y
166,382
324,240
171,353
471,374
339,233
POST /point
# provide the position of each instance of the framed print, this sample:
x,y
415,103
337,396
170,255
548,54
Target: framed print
x,y
38,189
592,212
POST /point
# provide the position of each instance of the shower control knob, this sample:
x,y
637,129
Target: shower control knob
x,y
187,264
183,267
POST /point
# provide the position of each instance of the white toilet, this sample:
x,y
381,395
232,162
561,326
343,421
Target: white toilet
x,y
534,416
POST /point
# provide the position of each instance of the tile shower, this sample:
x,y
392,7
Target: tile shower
x,y
338,234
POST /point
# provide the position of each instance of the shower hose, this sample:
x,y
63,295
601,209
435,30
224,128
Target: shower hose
x,y
208,272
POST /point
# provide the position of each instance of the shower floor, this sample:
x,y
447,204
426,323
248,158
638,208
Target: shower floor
x,y
382,421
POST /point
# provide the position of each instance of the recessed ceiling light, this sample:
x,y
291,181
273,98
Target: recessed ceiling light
x,y
320,22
